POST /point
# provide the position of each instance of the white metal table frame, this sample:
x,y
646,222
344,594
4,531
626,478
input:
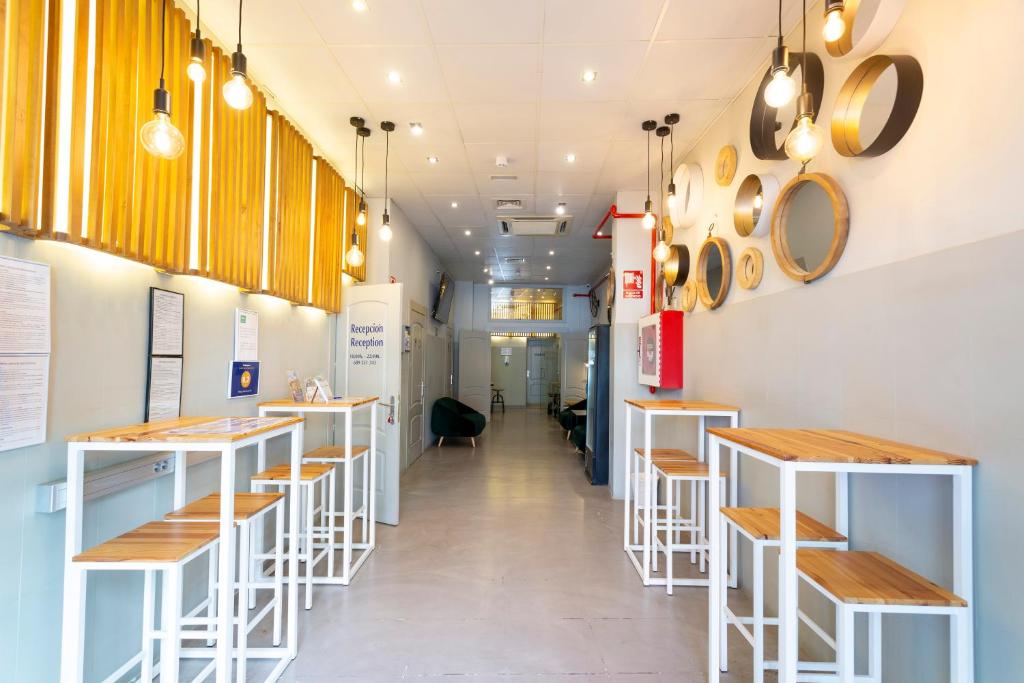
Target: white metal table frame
x,y
369,542
73,635
962,628
643,567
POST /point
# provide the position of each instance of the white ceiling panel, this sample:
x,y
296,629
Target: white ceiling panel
x,y
575,120
566,183
442,183
521,157
733,19
451,158
581,21
497,121
368,67
616,65
589,156
488,73
484,21
714,69
386,22
436,118
469,211
262,22
287,66
515,184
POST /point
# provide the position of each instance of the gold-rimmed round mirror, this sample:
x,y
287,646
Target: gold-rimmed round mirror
x,y
810,225
725,165
714,272
755,199
750,268
868,24
677,265
876,105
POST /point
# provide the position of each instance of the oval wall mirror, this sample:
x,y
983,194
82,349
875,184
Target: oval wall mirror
x,y
714,272
750,268
877,105
677,266
810,224
769,126
868,24
689,181
752,210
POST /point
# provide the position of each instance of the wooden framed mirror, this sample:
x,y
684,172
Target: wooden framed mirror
x,y
714,272
876,105
810,225
688,300
677,266
755,199
750,268
725,166
689,181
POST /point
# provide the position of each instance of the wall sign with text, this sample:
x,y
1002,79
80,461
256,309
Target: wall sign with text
x,y
632,284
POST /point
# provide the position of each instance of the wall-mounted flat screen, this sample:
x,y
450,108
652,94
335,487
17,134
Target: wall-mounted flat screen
x,y
443,301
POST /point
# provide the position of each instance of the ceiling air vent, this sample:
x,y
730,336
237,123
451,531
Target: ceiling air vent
x,y
504,178
508,204
534,226
514,259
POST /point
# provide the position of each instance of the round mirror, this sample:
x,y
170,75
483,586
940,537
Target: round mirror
x,y
689,181
877,105
677,266
714,272
725,165
750,268
752,210
769,126
688,299
810,225
868,24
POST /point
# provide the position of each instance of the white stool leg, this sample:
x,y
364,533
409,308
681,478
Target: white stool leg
x,y
845,645
243,592
346,553
255,565
278,572
211,594
654,522
723,625
679,503
365,498
170,616
148,608
758,625
309,490
670,522
331,524
693,520
875,646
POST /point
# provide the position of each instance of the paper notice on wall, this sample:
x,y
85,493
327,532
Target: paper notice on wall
x,y
23,389
24,306
163,400
247,334
167,325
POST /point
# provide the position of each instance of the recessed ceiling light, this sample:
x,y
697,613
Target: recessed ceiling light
x,y
416,128
560,209
467,233
546,279
548,267
359,5
490,282
394,77
570,158
455,205
589,76
485,270
476,253
431,159
600,233
551,252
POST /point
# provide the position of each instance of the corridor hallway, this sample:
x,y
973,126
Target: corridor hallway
x,y
507,566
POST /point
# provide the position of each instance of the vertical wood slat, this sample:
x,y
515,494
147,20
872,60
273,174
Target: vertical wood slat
x,y
288,252
327,249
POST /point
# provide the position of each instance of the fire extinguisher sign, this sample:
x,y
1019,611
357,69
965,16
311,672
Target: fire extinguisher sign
x,y
633,284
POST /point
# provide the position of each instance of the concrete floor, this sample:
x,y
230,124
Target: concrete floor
x,y
507,566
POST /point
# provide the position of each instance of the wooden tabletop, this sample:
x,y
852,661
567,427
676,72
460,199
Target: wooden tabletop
x,y
697,406
835,446
189,430
865,578
344,402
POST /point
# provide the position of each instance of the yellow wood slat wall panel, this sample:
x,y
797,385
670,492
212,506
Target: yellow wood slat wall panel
x,y
327,248
288,276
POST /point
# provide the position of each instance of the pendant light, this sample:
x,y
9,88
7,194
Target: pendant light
x,y
363,132
237,92
160,137
661,250
195,69
782,88
385,228
807,138
354,256
648,220
672,120
835,24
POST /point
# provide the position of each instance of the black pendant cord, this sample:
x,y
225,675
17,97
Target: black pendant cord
x,y
648,165
387,152
780,22
239,25
362,158
661,185
803,55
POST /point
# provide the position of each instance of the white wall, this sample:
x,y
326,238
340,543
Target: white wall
x,y
915,334
510,378
98,379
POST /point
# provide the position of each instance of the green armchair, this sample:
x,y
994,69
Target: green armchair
x,y
566,417
451,418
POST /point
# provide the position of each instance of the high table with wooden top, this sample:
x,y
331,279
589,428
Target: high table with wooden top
x,y
347,407
650,409
220,435
842,453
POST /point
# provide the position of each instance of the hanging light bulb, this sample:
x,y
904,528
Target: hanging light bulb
x,y
195,69
384,233
835,24
648,221
355,254
662,250
159,136
361,216
807,138
236,91
781,90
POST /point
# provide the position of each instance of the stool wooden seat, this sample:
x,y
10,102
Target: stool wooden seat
x,y
666,454
868,578
683,469
157,542
334,453
764,524
247,506
283,473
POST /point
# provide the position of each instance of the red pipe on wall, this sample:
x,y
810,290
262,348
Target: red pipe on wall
x,y
613,212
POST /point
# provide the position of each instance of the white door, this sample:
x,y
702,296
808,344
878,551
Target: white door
x,y
370,364
574,368
475,370
417,384
537,374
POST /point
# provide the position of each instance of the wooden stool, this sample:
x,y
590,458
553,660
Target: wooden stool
x,y
156,546
333,455
310,475
762,528
675,472
875,585
249,507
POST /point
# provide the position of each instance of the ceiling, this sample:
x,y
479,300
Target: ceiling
x,y
499,77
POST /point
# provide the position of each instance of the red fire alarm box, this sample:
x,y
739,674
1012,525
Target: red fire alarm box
x,y
661,350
